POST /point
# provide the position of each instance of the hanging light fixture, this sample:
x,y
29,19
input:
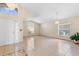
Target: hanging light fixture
x,y
57,22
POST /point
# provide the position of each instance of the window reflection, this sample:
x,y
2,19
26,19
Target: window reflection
x,y
30,43
30,27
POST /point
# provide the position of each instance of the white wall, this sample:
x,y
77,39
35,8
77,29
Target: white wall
x,y
36,29
7,26
8,32
51,29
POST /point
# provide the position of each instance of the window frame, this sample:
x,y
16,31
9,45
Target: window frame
x,y
62,25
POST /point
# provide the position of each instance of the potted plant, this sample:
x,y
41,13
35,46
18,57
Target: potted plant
x,y
75,37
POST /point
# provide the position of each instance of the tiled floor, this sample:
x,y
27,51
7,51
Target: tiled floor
x,y
17,49
44,46
41,46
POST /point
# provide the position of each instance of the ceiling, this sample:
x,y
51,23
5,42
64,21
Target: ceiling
x,y
42,12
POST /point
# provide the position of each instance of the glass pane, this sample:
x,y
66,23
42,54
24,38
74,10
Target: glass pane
x,y
64,30
64,27
8,11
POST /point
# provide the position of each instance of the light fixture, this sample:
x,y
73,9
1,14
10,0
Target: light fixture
x,y
57,22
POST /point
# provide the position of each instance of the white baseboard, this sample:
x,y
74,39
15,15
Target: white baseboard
x,y
55,37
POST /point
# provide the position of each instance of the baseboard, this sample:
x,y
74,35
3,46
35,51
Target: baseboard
x,y
30,36
55,37
48,37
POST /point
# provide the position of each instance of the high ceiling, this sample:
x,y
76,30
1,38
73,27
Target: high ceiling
x,y
50,11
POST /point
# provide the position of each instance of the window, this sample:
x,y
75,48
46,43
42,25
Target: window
x,y
64,29
9,8
30,27
8,11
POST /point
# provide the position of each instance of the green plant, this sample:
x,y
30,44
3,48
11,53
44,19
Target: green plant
x,y
75,37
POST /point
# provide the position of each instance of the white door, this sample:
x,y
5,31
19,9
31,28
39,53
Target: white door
x,y
9,32
17,32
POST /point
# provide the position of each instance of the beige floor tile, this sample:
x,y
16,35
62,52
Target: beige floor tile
x,y
41,46
52,47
